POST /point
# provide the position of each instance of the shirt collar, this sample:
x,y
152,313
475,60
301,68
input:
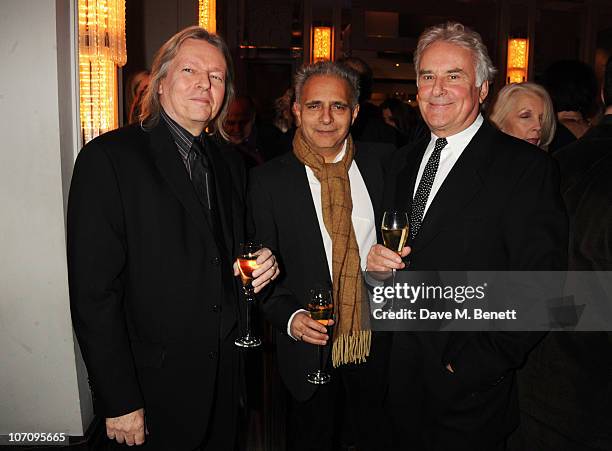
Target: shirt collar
x,y
340,155
464,136
183,139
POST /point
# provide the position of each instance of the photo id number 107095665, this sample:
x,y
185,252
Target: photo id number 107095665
x,y
34,438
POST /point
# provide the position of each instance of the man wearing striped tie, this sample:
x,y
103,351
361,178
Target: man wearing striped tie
x,y
155,219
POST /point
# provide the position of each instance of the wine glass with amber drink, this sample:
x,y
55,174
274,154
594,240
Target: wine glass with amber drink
x,y
321,309
247,263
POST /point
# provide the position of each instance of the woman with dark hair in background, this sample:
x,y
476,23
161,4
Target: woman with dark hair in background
x,y
572,85
404,118
283,117
135,88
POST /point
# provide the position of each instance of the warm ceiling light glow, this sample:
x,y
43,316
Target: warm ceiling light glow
x,y
101,50
321,44
208,15
518,57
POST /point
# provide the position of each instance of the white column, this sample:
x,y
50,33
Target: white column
x,y
43,386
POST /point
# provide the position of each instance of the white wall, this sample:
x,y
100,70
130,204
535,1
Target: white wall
x,y
39,386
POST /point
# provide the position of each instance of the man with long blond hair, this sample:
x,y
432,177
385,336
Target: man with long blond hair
x,y
155,218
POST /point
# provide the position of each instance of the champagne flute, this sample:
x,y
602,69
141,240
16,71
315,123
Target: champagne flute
x,y
247,264
394,230
321,309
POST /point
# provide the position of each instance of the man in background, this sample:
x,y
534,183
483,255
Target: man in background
x,y
578,419
255,141
370,125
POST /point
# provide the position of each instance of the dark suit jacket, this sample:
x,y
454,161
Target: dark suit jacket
x,y
370,126
586,186
563,137
498,209
152,293
285,220
566,383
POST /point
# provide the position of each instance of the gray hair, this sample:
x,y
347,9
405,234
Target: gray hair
x,y
151,105
506,99
327,68
457,34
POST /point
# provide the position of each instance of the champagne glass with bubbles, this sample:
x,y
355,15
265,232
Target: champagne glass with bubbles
x,y
394,230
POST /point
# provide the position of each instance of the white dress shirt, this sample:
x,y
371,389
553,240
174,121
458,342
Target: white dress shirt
x,y
448,157
362,217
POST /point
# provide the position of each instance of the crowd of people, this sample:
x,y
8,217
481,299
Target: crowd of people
x,y
158,209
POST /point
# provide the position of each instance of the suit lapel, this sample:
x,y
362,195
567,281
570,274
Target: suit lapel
x,y
169,164
463,181
406,177
374,180
223,185
301,206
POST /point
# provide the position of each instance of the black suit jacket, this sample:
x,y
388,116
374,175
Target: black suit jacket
x,y
586,186
580,360
152,293
370,126
498,209
284,219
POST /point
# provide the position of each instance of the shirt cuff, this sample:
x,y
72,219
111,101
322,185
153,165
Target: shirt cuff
x,y
370,281
291,319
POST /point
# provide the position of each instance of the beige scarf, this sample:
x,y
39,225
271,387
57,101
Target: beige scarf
x,y
351,340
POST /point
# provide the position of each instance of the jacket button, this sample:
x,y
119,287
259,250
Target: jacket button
x,y
216,308
498,381
215,261
212,355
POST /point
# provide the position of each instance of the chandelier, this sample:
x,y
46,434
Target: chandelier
x,y
101,50
518,58
322,47
208,15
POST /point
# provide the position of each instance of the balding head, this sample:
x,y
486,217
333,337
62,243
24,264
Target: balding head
x,y
240,118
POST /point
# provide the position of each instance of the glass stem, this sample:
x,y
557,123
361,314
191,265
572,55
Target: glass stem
x,y
321,358
248,315
393,282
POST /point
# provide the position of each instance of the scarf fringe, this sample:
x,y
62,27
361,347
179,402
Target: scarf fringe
x,y
351,348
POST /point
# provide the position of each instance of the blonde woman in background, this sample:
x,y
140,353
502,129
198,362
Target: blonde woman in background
x,y
525,111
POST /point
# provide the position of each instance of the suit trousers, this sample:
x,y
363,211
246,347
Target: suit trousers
x,y
351,402
426,412
221,430
534,434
